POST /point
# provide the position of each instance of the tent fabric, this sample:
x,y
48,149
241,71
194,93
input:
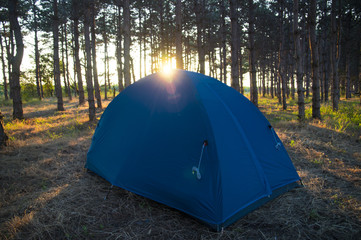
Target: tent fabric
x,y
192,143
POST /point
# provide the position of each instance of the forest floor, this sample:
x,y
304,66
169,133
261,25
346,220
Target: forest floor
x,y
45,193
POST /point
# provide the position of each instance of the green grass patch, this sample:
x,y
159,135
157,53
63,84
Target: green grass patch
x,y
346,119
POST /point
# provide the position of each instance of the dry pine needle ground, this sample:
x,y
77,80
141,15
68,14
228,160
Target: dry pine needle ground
x,y
45,193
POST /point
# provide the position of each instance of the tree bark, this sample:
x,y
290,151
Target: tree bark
x,y
316,112
240,57
3,136
66,85
298,63
126,28
16,61
77,62
4,69
234,45
89,81
223,33
272,80
178,34
58,90
105,40
281,56
36,43
252,62
119,51
67,62
335,56
94,57
199,11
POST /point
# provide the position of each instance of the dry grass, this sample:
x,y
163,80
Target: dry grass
x,y
46,194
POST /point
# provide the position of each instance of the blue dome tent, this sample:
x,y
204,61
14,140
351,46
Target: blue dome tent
x,y
192,143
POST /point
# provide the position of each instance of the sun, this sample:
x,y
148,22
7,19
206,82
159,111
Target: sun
x,y
167,70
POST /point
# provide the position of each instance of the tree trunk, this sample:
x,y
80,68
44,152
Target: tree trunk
x,y
234,45
145,46
36,43
316,113
263,80
67,61
4,68
272,81
241,71
335,56
16,61
291,74
298,63
3,136
105,39
223,42
89,81
119,51
11,47
307,71
58,90
178,34
77,62
94,57
281,56
199,11
74,62
126,28
252,61
66,86
348,77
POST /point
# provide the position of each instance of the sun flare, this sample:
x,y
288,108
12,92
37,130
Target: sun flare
x,y
167,69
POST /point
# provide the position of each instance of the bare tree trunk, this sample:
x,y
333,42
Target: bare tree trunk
x,y
234,45
223,42
291,74
272,79
335,56
89,81
263,80
94,57
281,66
119,51
132,69
74,62
3,136
58,90
77,62
126,42
252,64
105,39
316,113
145,46
241,71
16,61
4,68
178,34
36,43
10,49
199,11
348,77
67,61
298,63
66,86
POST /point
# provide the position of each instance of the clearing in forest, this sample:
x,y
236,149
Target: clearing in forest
x,y
45,193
